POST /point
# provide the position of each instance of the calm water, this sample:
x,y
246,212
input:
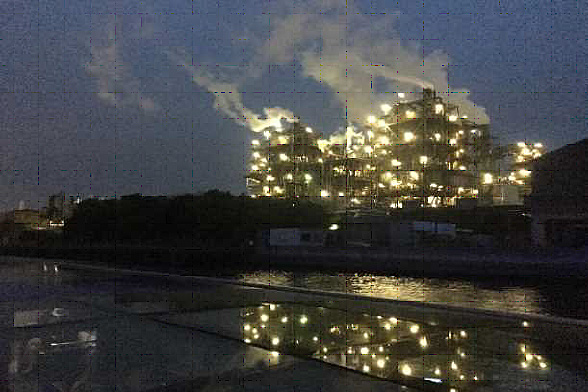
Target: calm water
x,y
557,298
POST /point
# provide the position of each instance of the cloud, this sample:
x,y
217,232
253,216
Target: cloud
x,y
116,84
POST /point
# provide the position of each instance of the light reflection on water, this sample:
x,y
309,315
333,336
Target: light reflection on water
x,y
437,291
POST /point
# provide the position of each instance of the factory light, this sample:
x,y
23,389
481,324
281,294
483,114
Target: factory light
x,y
423,160
437,136
439,109
385,108
410,114
307,177
381,123
308,129
396,163
414,175
371,119
255,142
453,118
488,179
270,178
324,193
408,136
283,157
406,370
401,95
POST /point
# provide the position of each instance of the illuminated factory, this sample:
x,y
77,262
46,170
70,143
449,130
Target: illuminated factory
x,y
421,152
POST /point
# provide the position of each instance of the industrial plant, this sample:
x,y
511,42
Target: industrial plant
x,y
420,152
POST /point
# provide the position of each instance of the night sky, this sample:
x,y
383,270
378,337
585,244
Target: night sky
x,y
107,98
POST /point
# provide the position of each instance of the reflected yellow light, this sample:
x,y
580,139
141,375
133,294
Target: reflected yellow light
x,y
264,317
524,365
381,123
275,354
247,327
401,95
393,320
283,157
423,159
453,118
438,108
364,351
309,129
255,142
386,108
414,328
381,363
529,357
324,193
247,340
371,119
366,368
453,365
488,179
542,365
437,371
387,326
410,114
423,342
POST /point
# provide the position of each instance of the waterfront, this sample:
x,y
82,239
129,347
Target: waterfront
x,y
563,298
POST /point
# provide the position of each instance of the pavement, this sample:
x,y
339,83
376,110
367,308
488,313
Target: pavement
x,y
71,327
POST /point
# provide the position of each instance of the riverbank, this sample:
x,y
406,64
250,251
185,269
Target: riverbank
x,y
418,262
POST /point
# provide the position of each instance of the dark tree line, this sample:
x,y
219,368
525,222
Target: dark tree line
x,y
212,218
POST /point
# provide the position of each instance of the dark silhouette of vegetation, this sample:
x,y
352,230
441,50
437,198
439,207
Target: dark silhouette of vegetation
x,y
212,218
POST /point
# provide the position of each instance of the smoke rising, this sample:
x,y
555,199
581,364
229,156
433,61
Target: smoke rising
x,y
346,51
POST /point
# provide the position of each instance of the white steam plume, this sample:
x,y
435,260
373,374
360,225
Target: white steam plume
x,y
351,52
228,99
